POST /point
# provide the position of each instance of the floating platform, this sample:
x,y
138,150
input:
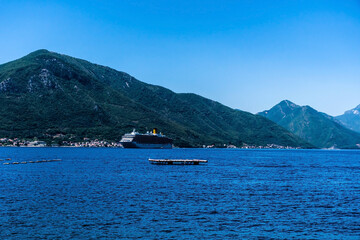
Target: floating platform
x,y
177,161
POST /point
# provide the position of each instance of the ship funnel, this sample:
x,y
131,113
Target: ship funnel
x,y
154,131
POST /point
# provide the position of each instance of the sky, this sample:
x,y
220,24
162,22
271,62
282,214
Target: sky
x,y
246,54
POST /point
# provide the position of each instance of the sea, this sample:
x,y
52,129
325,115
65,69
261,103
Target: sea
x,y
113,193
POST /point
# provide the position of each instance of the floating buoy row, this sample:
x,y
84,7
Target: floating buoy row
x,y
38,161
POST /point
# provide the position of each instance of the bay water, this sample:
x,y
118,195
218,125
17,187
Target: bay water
x,y
113,193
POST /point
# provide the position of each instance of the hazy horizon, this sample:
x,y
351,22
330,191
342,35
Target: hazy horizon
x,y
248,55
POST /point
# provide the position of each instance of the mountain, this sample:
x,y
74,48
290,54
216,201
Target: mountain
x,y
351,119
47,95
317,128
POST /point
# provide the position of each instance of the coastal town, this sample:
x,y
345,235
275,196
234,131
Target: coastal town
x,y
17,142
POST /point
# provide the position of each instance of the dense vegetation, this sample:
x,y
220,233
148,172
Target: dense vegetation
x,y
53,96
315,127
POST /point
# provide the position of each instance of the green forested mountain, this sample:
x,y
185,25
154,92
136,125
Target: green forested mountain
x,y
45,94
317,128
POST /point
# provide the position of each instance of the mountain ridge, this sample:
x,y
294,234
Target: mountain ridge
x,y
317,128
351,119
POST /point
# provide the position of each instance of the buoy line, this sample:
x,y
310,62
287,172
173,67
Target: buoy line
x,y
37,161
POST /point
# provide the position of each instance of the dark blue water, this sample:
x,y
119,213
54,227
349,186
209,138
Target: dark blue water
x,y
117,194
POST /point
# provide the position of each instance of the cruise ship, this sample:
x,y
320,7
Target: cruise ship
x,y
147,140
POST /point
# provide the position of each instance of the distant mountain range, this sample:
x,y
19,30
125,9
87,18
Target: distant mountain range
x,y
351,119
55,97
317,128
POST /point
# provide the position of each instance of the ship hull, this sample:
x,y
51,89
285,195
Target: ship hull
x,y
146,145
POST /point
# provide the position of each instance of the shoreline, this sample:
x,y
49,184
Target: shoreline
x,y
263,148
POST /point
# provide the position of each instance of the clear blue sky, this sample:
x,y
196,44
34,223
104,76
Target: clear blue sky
x,y
245,54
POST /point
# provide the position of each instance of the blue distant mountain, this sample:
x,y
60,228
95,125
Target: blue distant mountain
x,y
351,119
317,128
